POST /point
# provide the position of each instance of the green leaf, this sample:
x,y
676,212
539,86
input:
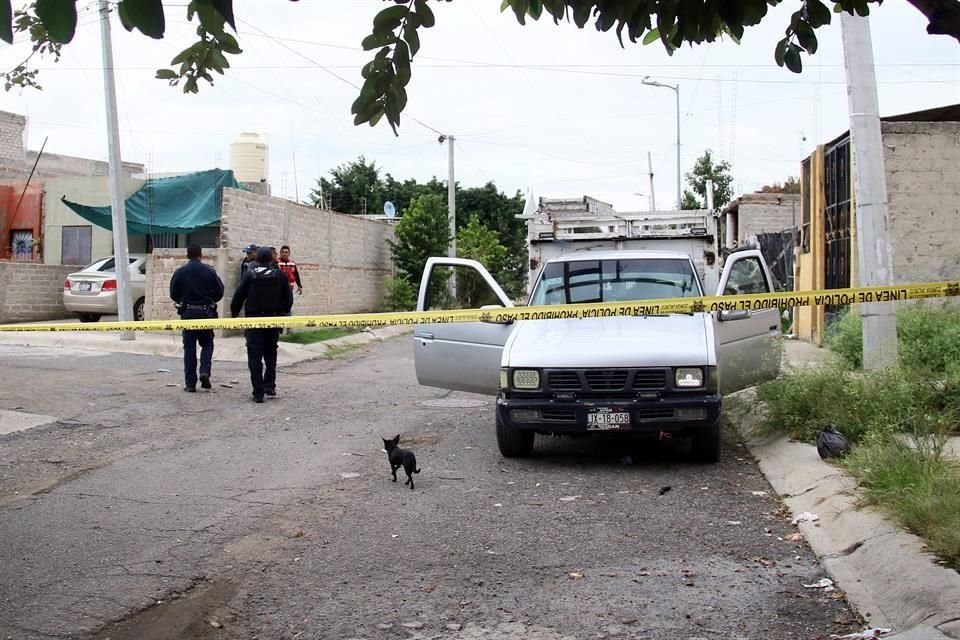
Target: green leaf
x,y
389,19
424,13
6,22
652,35
818,13
520,10
145,15
225,9
59,18
413,39
218,62
166,74
183,56
536,9
781,51
792,59
210,18
377,40
229,44
807,38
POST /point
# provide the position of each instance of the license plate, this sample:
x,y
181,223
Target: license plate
x,y
607,419
83,286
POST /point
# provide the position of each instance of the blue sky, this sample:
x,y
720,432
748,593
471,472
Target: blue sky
x,y
549,108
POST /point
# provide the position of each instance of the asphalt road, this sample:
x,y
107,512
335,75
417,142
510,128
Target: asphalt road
x,y
146,512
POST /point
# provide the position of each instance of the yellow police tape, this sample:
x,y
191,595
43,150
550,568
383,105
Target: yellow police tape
x,y
751,302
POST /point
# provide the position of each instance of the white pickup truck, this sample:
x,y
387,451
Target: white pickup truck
x,y
655,374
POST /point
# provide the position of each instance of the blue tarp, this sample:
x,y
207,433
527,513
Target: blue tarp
x,y
168,205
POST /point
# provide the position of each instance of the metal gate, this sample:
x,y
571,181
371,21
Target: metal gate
x,y
777,249
836,177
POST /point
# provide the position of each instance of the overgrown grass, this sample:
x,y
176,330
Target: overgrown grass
x,y
898,419
315,335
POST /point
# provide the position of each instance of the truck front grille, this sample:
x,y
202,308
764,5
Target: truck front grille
x,y
606,380
558,415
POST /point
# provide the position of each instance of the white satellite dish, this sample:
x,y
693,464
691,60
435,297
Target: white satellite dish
x,y
389,210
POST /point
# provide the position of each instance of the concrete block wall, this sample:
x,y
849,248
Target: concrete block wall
x,y
923,188
32,291
162,263
343,260
766,213
12,156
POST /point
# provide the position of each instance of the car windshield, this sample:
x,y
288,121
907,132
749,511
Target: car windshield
x,y
615,280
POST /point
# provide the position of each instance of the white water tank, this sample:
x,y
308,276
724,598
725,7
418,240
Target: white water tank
x,y
248,158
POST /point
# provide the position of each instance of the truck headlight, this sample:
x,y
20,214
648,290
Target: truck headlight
x,y
504,379
526,379
689,377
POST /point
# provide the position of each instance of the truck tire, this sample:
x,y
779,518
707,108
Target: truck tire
x,y
705,445
514,443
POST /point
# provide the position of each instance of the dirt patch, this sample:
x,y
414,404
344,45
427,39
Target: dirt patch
x,y
201,614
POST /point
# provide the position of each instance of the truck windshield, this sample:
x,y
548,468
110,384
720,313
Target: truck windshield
x,y
615,281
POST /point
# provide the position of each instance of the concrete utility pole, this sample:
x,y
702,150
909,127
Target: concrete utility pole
x,y
451,211
870,192
653,199
119,217
452,201
676,89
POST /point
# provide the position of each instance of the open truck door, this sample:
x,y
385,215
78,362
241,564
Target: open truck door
x,y
462,356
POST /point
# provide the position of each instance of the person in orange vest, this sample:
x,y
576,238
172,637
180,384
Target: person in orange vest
x,y
289,268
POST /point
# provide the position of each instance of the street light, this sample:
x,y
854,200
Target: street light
x,y
676,89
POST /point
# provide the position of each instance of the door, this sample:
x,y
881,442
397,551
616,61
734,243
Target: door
x,y
75,245
748,342
462,356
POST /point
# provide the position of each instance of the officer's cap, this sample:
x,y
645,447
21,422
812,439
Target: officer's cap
x,y
264,254
250,247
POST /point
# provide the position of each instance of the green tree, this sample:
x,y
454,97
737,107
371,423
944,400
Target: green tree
x,y
706,168
476,242
355,188
401,194
422,232
497,212
395,35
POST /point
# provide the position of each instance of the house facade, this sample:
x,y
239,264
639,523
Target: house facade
x,y
922,165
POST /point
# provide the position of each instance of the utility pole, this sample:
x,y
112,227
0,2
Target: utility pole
x,y
451,210
452,201
870,192
676,89
653,199
118,217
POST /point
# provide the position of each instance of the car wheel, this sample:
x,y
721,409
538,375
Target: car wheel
x,y
138,310
705,446
89,317
514,443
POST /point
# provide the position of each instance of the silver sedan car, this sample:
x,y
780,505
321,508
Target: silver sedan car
x,y
92,291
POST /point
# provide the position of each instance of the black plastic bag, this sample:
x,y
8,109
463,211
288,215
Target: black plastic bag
x,y
831,443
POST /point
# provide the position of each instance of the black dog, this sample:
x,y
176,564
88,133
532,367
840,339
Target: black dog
x,y
400,458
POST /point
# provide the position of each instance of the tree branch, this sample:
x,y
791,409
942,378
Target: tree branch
x,y
944,16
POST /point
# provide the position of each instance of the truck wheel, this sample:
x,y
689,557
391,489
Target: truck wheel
x,y
705,446
514,443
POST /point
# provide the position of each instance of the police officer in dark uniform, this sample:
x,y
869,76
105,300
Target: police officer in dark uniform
x,y
195,289
263,291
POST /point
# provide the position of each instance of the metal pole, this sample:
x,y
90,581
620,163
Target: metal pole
x,y
119,218
452,214
677,91
870,191
653,199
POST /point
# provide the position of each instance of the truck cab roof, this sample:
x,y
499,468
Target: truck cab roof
x,y
612,254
